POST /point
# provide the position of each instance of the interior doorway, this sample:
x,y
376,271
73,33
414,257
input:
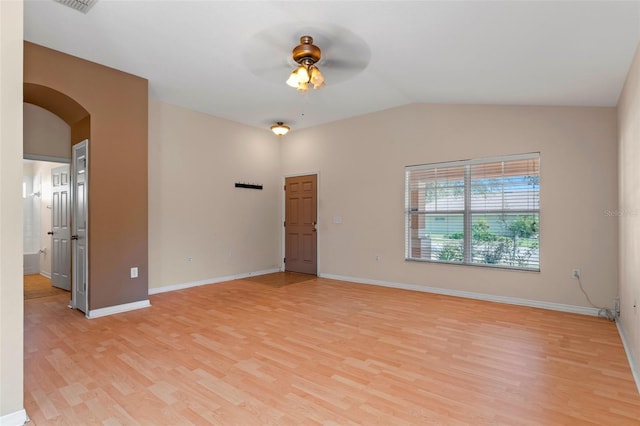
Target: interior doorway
x,y
40,249
301,224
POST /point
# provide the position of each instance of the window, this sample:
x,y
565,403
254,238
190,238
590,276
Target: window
x,y
475,212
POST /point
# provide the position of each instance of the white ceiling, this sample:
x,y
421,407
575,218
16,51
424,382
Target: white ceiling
x,y
231,58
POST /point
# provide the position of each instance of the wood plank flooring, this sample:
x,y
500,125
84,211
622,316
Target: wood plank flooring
x,y
318,351
36,285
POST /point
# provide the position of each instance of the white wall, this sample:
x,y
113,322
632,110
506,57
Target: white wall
x,y
30,210
194,209
361,163
11,293
45,134
629,210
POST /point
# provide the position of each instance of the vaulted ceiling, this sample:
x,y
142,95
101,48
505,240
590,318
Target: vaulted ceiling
x,y
231,58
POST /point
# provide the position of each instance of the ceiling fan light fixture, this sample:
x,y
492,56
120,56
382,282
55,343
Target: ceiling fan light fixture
x,y
280,129
299,76
306,54
303,74
316,78
292,81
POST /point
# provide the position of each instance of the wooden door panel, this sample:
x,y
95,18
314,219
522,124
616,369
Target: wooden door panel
x,y
292,245
308,210
294,210
308,248
301,216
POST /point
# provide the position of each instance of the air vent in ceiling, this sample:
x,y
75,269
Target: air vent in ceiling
x,y
81,5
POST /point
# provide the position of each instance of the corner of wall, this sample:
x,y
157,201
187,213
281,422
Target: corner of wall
x,y
11,297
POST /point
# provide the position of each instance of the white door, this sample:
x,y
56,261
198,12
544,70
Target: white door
x,y
80,258
60,231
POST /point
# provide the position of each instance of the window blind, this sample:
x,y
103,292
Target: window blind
x,y
483,211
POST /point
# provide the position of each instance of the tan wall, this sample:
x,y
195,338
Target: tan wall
x,y
361,164
194,209
117,105
11,297
629,209
45,134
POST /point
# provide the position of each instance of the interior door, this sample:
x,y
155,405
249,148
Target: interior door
x,y
80,257
60,231
301,216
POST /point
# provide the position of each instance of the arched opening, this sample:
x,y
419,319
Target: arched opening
x,y
65,107
60,240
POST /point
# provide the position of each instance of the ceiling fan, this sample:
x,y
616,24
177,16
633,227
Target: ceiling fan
x,y
272,53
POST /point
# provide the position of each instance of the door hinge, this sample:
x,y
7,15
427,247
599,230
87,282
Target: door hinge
x,y
284,187
285,223
284,260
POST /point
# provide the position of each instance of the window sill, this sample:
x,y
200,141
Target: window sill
x,y
478,265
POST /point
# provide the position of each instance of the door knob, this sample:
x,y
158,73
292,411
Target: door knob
x,y
315,226
50,233
74,237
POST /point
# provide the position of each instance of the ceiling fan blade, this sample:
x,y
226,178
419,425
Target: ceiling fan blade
x,y
275,73
356,64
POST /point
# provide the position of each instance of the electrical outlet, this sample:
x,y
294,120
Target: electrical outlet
x,y
575,273
189,259
134,272
377,258
616,307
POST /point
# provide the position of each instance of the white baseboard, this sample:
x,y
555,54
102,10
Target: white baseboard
x,y
216,280
45,274
17,418
635,368
471,295
110,310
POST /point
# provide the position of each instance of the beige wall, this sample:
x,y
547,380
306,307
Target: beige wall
x,y
361,164
45,134
11,303
194,208
629,209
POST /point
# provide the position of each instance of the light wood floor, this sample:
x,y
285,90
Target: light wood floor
x,y
36,285
317,351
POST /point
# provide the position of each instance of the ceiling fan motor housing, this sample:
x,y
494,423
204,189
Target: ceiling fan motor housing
x,y
306,50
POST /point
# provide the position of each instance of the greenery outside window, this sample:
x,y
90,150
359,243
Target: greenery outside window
x,y
476,212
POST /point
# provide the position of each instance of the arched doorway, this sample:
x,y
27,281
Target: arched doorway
x,y
70,236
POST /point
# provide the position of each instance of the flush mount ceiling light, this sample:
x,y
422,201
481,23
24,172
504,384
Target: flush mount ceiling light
x,y
306,55
280,128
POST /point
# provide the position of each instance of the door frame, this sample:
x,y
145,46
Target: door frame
x,y
74,278
51,159
283,237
